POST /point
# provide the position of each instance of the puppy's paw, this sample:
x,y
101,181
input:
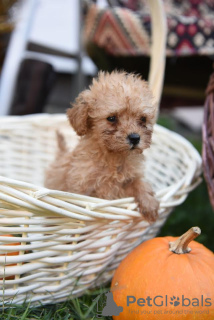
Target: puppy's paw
x,y
149,206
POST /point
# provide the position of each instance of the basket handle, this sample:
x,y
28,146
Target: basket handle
x,y
158,48
210,86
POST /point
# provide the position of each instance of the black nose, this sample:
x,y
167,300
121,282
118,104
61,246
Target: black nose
x,y
134,138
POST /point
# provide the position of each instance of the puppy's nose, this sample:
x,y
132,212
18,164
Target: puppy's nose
x,y
134,138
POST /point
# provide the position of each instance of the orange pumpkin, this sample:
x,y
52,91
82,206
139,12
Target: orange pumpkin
x,y
164,279
10,254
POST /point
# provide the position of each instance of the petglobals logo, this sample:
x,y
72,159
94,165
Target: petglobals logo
x,y
157,305
110,308
169,305
164,301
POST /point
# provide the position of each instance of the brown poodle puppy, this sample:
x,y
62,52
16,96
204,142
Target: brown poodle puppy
x,y
115,119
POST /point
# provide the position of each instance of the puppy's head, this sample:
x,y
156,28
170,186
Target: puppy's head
x,y
118,110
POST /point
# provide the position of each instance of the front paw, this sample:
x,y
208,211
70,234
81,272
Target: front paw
x,y
149,206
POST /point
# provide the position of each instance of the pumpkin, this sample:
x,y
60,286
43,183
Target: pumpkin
x,y
14,253
165,279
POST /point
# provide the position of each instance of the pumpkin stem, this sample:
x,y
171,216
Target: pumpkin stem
x,y
180,245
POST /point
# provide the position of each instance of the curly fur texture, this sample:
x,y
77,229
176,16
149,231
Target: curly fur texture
x,y
106,164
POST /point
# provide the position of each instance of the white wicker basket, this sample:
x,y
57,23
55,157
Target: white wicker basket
x,y
69,242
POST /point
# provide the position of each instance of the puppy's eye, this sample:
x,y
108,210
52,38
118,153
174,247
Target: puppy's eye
x,y
112,119
143,120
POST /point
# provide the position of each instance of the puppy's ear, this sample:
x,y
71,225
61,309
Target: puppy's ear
x,y
78,113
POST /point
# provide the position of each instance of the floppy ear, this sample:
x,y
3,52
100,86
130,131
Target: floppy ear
x,y
78,113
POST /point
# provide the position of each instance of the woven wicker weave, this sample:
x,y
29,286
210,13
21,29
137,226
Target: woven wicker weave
x,y
208,139
68,242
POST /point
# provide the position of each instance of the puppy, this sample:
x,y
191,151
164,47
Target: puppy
x,y
115,119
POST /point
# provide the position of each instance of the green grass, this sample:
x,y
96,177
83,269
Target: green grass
x,y
86,307
195,211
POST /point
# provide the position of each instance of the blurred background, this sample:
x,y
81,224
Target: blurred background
x,y
50,50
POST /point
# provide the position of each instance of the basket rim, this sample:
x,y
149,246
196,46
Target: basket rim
x,y
124,207
55,118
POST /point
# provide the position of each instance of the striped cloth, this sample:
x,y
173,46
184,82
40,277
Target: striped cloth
x,y
125,29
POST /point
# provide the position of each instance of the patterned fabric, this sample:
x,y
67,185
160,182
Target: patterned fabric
x,y
116,30
133,5
126,29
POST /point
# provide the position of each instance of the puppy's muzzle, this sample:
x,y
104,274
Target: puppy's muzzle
x,y
134,138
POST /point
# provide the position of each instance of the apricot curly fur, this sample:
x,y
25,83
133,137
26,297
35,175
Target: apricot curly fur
x,y
105,164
